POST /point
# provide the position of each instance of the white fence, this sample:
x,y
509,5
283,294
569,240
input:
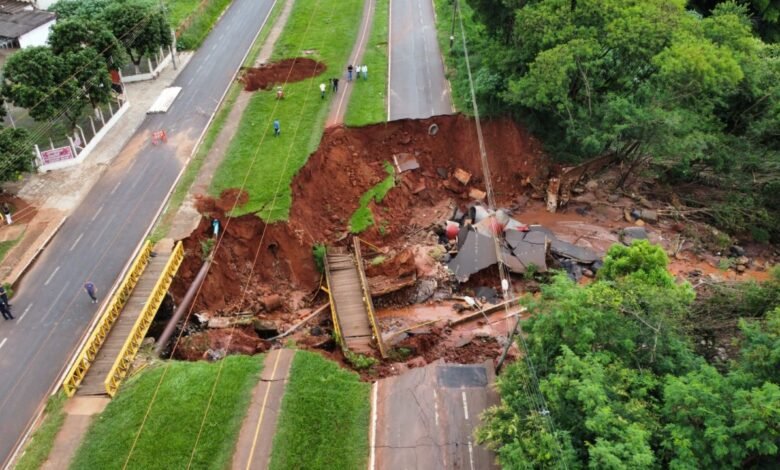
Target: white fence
x,y
149,69
81,143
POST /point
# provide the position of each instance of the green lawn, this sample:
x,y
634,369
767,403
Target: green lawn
x,y
368,103
265,165
323,423
6,246
42,440
172,426
454,61
362,218
198,17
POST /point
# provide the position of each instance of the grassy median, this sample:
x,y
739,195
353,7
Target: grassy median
x,y
171,429
368,103
195,18
265,165
323,423
40,444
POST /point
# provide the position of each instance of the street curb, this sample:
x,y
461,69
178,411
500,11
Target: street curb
x,y
37,253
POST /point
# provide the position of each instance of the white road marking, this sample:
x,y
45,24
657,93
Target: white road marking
x,y
116,187
2,343
98,212
56,302
465,405
372,459
435,407
76,242
471,456
51,276
24,313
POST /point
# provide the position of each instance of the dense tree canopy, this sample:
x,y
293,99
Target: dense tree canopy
x,y
76,34
622,385
16,154
50,85
650,80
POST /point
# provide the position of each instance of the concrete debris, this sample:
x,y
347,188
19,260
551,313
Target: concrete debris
x,y
477,194
483,234
462,175
405,162
265,328
215,354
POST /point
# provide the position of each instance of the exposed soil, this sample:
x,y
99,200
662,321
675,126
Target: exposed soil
x,y
285,71
255,260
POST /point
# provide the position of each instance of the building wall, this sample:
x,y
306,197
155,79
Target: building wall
x,y
37,37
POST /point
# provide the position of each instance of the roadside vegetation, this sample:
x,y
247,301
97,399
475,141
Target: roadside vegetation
x,y
171,428
685,92
368,102
323,423
264,165
194,19
362,218
614,364
40,444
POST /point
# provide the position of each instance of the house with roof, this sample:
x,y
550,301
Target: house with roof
x,y
21,25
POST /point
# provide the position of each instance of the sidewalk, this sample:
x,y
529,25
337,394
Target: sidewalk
x,y
52,196
255,440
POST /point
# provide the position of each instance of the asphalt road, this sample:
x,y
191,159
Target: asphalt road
x,y
50,305
417,88
426,418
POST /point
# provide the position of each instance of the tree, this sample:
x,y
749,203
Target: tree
x,y
16,153
86,9
75,34
50,85
140,26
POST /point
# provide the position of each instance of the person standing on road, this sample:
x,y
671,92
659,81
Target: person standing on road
x,y
322,91
335,85
364,69
7,213
277,128
6,312
4,297
349,72
91,291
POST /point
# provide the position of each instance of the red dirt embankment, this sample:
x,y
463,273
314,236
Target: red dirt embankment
x,y
285,71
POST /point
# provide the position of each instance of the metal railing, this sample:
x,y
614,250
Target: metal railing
x,y
127,354
336,327
91,348
367,296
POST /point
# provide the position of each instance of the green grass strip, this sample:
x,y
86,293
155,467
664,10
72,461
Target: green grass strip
x,y
368,103
40,444
172,426
454,60
6,246
302,113
362,218
198,18
323,423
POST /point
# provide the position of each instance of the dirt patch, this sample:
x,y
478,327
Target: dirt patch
x,y
285,71
220,342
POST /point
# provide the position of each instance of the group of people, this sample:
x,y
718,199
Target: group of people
x,y
358,70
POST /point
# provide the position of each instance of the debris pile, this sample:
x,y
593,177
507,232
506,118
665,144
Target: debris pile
x,y
479,238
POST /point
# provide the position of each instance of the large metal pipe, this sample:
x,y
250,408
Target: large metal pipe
x,y
185,305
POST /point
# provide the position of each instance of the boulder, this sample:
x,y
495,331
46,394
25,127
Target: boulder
x,y
271,302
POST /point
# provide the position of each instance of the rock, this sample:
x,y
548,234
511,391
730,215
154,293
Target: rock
x,y
425,289
741,268
462,342
315,331
649,215
742,261
629,234
645,203
613,198
442,172
578,190
636,213
639,223
214,354
588,273
219,322
265,328
416,362
627,215
271,302
148,341
405,139
477,194
592,185
737,250
462,175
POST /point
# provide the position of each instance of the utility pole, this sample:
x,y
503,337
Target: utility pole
x,y
452,30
